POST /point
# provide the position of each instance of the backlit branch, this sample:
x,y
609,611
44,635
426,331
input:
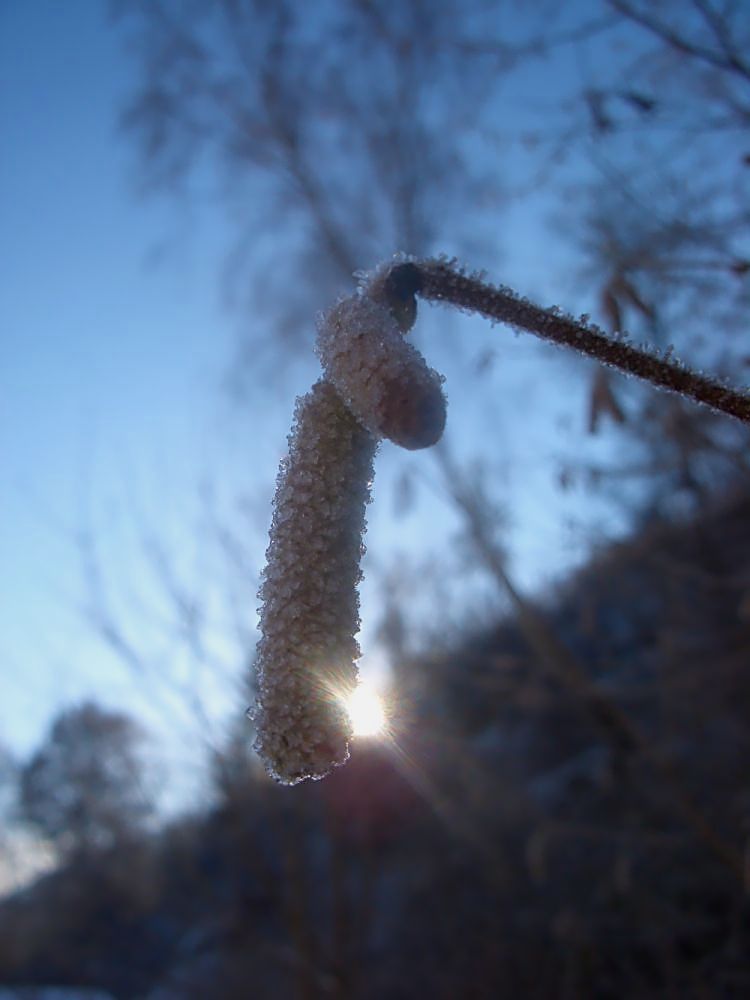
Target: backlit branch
x,y
441,281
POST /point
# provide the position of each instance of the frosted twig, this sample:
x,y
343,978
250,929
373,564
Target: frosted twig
x,y
441,281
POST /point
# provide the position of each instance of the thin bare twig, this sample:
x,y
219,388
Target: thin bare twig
x,y
441,280
727,61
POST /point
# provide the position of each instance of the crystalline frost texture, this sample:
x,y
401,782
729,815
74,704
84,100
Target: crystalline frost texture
x,y
310,611
383,378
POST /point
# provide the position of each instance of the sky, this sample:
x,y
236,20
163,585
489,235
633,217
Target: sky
x,y
115,344
109,363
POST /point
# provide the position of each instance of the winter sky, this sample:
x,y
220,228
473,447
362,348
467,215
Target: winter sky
x,y
115,347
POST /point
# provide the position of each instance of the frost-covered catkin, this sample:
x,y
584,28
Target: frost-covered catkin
x,y
383,378
310,612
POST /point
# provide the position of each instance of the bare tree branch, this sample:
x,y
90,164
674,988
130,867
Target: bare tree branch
x,y
728,60
441,281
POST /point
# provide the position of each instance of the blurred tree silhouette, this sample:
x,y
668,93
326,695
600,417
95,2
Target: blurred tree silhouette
x,y
83,787
8,777
325,126
664,230
376,127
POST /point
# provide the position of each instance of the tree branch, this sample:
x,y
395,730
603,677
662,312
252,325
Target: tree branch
x,y
440,280
728,62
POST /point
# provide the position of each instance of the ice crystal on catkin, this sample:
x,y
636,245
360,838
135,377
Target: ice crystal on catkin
x,y
310,611
383,378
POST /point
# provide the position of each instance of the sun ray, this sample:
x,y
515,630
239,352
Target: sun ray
x,y
366,711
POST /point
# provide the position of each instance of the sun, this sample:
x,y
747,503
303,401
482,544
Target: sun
x,y
366,711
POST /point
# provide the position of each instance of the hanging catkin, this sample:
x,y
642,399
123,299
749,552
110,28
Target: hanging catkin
x,y
377,385
310,612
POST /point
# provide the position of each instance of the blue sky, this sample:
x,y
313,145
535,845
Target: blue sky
x,y
114,346
108,369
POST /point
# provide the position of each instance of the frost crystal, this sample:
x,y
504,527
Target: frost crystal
x,y
383,379
310,612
